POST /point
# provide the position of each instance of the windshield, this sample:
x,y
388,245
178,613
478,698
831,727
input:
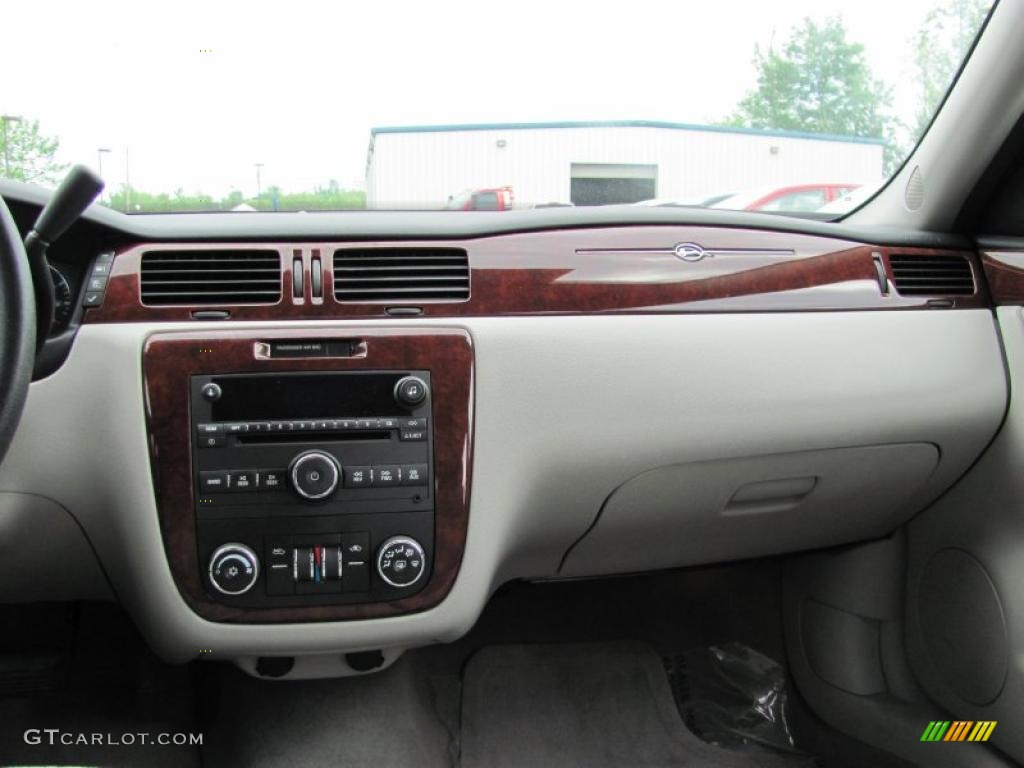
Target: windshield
x,y
789,107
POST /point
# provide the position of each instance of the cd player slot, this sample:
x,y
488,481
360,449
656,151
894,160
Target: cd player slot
x,y
326,437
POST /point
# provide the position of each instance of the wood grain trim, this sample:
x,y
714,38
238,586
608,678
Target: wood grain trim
x,y
614,270
169,359
1004,272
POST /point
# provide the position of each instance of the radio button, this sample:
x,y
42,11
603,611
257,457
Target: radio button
x,y
242,480
367,423
388,423
414,474
210,441
386,475
272,479
236,427
412,435
210,429
412,423
357,477
213,482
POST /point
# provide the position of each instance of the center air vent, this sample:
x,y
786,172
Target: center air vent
x,y
211,277
401,274
936,275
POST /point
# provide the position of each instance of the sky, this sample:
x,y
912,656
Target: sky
x,y
193,95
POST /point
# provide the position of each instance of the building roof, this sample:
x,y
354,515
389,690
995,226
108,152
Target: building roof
x,y
621,124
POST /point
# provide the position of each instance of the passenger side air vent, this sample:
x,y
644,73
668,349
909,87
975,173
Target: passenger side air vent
x,y
936,275
211,277
401,274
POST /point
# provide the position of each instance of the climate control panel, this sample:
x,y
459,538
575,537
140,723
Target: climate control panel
x,y
316,565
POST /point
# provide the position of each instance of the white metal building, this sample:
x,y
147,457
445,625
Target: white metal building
x,y
603,162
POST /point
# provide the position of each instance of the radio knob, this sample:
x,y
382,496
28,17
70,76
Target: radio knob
x,y
400,561
410,391
234,569
314,475
211,392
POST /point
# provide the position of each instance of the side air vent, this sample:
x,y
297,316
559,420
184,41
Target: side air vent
x,y
401,274
211,277
932,275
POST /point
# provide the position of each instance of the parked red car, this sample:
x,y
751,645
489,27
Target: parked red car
x,y
796,198
495,199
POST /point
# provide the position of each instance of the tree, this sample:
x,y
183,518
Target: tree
x,y
819,82
29,155
939,47
330,198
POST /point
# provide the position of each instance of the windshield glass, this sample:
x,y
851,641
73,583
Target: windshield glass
x,y
789,107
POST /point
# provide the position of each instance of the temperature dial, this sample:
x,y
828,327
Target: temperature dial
x,y
401,562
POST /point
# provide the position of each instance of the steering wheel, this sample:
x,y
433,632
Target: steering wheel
x,y
17,328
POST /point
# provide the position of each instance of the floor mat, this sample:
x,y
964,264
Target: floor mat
x,y
396,717
117,705
580,705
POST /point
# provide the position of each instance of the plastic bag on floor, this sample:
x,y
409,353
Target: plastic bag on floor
x,y
731,695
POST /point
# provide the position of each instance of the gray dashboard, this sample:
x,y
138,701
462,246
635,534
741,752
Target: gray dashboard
x,y
567,411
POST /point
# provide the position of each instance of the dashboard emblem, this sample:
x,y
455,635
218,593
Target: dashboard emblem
x,y
690,252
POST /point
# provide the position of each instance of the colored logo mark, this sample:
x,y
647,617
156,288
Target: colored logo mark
x,y
958,730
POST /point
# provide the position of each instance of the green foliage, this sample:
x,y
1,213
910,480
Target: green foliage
x,y
819,82
939,47
28,155
330,198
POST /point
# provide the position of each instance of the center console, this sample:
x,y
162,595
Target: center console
x,y
311,479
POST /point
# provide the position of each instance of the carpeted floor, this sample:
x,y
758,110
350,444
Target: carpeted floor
x,y
560,674
398,717
110,687
581,706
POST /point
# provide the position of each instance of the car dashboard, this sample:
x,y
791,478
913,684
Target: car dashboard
x,y
266,441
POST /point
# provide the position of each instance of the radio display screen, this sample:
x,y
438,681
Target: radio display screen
x,y
305,396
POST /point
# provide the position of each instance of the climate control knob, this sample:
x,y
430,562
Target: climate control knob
x,y
234,569
314,475
410,391
400,561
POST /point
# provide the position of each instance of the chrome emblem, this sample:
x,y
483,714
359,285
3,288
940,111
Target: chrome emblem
x,y
690,252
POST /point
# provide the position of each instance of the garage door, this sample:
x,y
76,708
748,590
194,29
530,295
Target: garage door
x,y
607,183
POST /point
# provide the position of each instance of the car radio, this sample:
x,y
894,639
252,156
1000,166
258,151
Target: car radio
x,y
313,488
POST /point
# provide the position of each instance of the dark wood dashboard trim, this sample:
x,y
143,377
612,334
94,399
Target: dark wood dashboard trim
x,y
170,359
586,271
1004,272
